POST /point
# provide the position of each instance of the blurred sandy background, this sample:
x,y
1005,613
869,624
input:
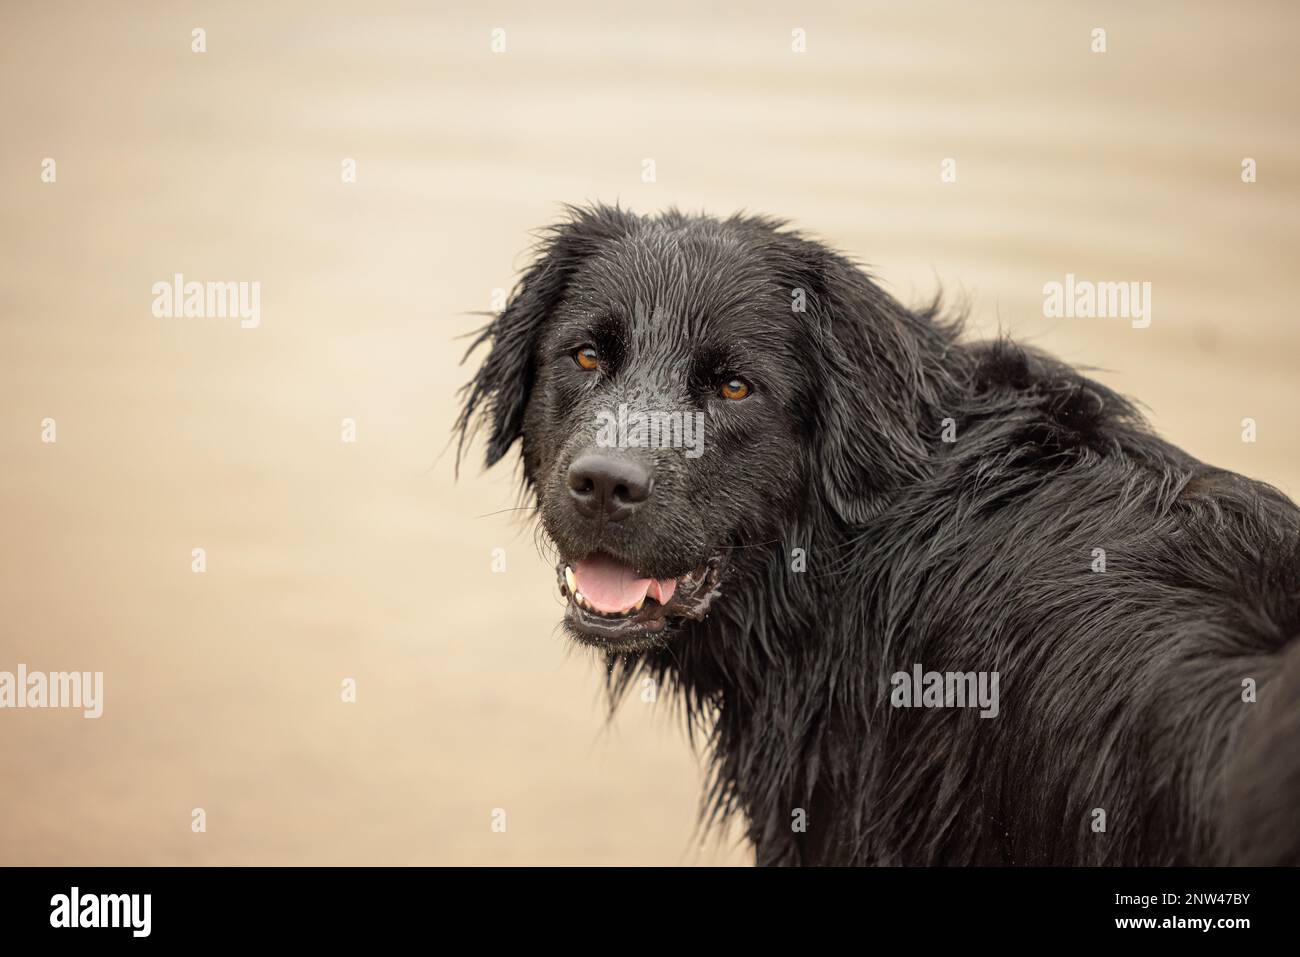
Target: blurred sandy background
x,y
329,560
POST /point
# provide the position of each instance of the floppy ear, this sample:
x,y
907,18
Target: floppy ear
x,y
880,370
500,389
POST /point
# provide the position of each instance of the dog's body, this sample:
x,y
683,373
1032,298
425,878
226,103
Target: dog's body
x,y
880,497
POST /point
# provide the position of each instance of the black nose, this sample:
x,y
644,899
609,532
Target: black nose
x,y
609,485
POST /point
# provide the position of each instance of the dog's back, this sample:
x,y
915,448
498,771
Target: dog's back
x,y
1136,606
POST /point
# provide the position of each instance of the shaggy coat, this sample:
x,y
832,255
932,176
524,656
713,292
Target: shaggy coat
x,y
892,496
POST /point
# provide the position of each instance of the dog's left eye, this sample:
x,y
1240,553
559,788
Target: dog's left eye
x,y
735,390
588,358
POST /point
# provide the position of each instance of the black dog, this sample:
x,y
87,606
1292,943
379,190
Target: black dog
x,y
1112,623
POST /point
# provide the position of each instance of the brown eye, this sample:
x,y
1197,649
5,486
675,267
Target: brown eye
x,y
588,358
735,390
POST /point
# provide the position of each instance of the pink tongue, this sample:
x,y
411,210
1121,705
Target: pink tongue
x,y
612,587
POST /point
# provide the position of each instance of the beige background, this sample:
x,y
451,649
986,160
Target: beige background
x,y
328,560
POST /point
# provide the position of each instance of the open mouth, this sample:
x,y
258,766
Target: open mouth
x,y
610,604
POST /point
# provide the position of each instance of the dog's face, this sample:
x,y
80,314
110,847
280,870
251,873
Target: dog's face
x,y
665,427
669,380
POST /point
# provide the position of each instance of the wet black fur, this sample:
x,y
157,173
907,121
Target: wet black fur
x,y
1120,690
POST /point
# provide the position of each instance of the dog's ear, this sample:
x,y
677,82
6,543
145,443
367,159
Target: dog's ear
x,y
500,389
877,374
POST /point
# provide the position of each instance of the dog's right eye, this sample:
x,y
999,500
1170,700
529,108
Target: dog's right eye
x,y
588,358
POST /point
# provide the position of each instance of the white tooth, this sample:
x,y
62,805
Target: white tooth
x,y
577,596
639,605
569,579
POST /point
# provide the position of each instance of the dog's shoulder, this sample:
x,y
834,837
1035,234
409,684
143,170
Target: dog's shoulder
x,y
1032,400
1028,413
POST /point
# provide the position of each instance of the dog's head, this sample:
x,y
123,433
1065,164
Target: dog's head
x,y
685,388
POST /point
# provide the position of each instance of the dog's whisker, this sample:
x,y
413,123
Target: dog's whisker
x,y
502,511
